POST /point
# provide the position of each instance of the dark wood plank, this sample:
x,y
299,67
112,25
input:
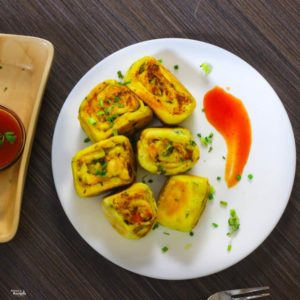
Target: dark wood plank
x,y
47,258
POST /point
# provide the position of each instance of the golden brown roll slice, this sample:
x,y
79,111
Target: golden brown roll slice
x,y
103,166
132,212
110,109
167,151
161,90
182,201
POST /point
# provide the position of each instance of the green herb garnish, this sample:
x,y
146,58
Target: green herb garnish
x,y
111,118
218,178
169,150
100,172
161,170
9,136
120,75
250,176
211,193
206,140
223,203
191,233
166,233
164,249
156,225
100,113
176,67
238,177
101,102
215,225
206,68
233,222
124,83
87,139
92,121
229,247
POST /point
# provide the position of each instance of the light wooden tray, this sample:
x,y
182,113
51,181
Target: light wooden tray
x,y
25,63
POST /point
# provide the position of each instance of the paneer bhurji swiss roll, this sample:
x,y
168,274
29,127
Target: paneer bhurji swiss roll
x,y
131,212
112,108
104,165
182,201
161,90
167,151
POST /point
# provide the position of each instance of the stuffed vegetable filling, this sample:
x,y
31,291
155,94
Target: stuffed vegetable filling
x,y
112,108
167,151
132,212
104,165
160,89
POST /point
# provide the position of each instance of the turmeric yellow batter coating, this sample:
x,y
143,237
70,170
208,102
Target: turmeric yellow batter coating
x,y
131,212
161,90
111,108
182,201
102,166
167,151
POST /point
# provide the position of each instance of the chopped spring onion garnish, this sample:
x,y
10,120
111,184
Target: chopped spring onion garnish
x,y
215,225
87,139
212,192
92,121
229,247
238,177
233,222
223,203
164,249
250,176
206,68
9,136
120,75
155,226
176,67
218,178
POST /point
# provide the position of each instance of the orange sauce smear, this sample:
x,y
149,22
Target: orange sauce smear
x,y
229,116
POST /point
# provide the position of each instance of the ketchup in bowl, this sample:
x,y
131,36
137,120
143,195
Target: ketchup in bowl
x,y
12,137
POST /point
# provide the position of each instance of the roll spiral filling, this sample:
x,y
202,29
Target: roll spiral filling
x,y
103,166
132,212
167,151
110,109
161,90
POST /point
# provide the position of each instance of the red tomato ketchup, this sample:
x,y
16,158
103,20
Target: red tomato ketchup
x,y
229,116
12,137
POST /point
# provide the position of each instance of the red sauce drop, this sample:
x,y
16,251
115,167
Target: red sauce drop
x,y
10,152
229,116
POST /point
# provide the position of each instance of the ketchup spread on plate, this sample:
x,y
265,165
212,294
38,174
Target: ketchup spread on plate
x,y
12,137
229,116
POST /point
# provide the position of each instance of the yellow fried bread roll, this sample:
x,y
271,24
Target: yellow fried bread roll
x,y
161,90
132,212
104,165
112,108
182,201
167,151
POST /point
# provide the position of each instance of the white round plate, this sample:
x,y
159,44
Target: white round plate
x,y
259,203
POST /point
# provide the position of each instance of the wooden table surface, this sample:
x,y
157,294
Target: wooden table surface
x,y
47,258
